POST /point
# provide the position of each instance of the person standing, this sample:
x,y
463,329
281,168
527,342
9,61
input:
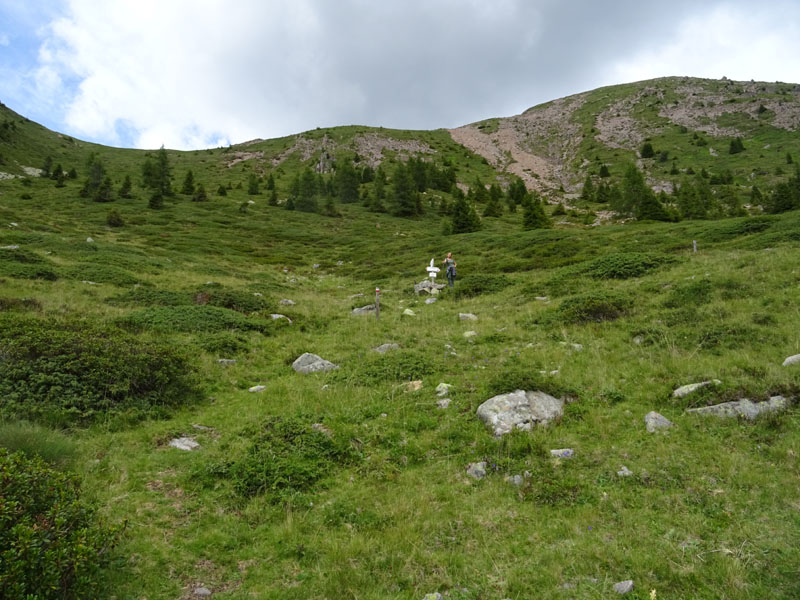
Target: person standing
x,y
450,268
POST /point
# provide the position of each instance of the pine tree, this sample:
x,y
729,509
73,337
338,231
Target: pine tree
x,y
604,172
222,190
736,146
252,185
48,164
404,195
647,150
157,174
114,219
516,194
199,194
533,215
103,191
307,192
464,219
494,208
156,200
270,182
588,193
125,188
97,173
273,197
346,182
188,184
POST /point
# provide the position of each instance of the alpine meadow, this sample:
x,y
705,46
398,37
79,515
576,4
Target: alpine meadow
x,y
226,372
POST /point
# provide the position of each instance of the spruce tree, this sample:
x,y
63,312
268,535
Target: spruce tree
x,y
494,208
270,182
125,188
588,193
273,197
346,182
404,195
188,184
464,219
103,191
647,150
307,192
533,215
199,194
157,174
252,185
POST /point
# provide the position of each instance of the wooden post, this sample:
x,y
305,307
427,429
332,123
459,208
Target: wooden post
x,y
694,245
377,304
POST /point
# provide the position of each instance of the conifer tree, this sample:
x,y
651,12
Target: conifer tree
x,y
494,208
464,219
533,215
103,191
222,190
588,193
199,194
252,185
188,184
273,197
125,188
270,182
307,192
346,182
157,174
404,198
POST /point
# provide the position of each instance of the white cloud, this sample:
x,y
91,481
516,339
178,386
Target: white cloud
x,y
740,43
197,73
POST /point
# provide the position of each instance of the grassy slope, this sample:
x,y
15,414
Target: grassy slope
x,y
711,510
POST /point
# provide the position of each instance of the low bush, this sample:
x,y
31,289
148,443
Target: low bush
x,y
190,319
20,304
623,265
476,285
100,273
286,456
33,440
243,302
75,372
150,297
694,293
224,343
52,544
593,306
24,264
400,365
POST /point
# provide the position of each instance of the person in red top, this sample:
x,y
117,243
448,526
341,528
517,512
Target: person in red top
x,y
450,268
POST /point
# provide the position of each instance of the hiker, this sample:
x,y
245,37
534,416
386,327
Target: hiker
x,y
450,268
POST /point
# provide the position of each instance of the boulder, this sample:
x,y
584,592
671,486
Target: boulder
x,y
791,360
443,403
467,317
519,410
369,309
687,389
311,363
624,472
562,453
384,348
654,421
287,302
276,316
443,389
743,408
470,334
409,313
430,300
426,285
257,388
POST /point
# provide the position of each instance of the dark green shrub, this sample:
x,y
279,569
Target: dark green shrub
x,y
286,457
244,302
593,306
51,542
694,293
75,372
624,265
20,304
32,440
223,343
400,365
190,319
24,264
476,285
99,273
114,219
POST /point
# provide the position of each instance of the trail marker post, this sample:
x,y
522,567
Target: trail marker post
x,y
694,245
432,271
377,304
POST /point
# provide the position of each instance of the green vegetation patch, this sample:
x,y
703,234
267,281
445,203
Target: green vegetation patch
x,y
400,365
24,264
190,319
624,265
100,273
287,456
479,284
76,372
593,306
53,545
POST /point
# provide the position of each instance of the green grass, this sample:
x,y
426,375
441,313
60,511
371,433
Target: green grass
x,y
383,508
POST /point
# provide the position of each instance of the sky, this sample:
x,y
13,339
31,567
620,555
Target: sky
x,y
190,74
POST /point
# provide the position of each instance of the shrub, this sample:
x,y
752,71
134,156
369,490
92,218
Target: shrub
x,y
400,365
100,273
75,372
694,293
244,302
624,265
287,457
593,306
190,319
24,264
114,219
475,285
223,343
52,544
150,297
33,440
20,304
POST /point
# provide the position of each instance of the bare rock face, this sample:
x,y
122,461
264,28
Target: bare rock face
x,y
743,408
519,410
311,363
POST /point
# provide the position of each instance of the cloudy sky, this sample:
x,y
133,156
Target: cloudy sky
x,y
205,73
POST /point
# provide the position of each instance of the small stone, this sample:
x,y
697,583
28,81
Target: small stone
x,y
542,298
226,361
354,296
201,427
369,309
477,470
624,472
624,587
287,302
443,389
339,263
743,408
257,388
515,480
577,347
251,202
413,386
11,247
443,403
430,300
470,334
654,421
638,340
276,316
791,360
89,240
184,443
409,313
687,389
258,294
322,429
315,266
384,348
467,317
562,453
311,363
202,592
432,596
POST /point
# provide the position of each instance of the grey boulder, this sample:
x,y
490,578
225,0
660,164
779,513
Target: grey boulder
x,y
519,410
743,408
655,421
311,363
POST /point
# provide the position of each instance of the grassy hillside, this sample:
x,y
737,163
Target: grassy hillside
x,y
353,484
